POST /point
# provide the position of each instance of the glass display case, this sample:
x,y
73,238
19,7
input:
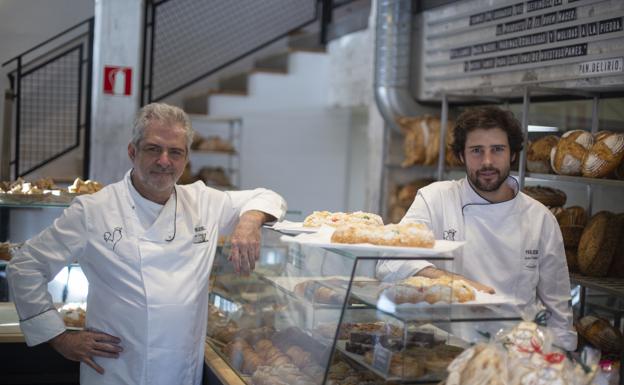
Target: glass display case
x,y
312,314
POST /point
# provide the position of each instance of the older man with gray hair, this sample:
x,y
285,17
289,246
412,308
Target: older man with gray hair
x,y
146,246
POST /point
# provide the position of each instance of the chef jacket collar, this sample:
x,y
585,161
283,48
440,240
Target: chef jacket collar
x,y
471,197
170,207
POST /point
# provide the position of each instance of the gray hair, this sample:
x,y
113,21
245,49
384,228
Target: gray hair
x,y
163,113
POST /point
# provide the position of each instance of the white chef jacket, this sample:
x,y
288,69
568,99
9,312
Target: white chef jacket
x,y
514,246
149,288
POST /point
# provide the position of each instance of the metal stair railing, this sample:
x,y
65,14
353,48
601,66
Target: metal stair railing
x,y
186,40
51,92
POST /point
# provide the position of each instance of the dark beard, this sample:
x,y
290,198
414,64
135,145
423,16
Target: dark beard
x,y
493,186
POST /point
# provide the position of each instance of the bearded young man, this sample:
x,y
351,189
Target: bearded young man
x,y
513,243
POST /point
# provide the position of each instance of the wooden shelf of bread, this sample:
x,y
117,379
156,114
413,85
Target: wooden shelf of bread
x,y
422,140
212,144
578,153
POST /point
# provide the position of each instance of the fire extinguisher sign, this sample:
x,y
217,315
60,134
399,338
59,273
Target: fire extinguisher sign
x,y
117,80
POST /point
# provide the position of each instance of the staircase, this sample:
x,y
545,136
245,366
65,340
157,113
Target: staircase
x,y
293,141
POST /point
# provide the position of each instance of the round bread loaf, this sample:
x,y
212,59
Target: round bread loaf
x,y
538,154
604,156
572,216
567,157
600,333
617,262
597,244
548,196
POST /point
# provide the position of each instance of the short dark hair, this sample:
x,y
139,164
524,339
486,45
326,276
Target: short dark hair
x,y
487,118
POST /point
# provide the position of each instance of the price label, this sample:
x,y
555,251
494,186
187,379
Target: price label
x,y
382,358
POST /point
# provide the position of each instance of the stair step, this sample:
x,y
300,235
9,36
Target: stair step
x,y
196,104
277,61
236,82
229,92
306,41
304,49
275,71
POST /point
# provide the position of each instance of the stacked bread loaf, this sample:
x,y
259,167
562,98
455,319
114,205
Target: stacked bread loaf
x,y
422,140
598,244
572,222
604,156
403,197
567,157
538,154
600,333
581,153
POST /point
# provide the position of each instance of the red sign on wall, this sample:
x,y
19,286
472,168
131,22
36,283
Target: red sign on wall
x,y
118,80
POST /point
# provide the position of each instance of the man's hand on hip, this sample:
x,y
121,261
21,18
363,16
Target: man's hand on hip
x,y
246,241
83,346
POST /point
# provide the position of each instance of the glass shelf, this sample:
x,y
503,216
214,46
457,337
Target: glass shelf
x,y
36,200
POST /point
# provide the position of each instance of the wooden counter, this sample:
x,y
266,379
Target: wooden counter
x,y
220,368
9,324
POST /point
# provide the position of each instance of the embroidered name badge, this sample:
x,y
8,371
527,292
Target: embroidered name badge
x,y
201,235
531,257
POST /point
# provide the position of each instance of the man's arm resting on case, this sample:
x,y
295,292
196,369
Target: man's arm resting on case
x,y
246,240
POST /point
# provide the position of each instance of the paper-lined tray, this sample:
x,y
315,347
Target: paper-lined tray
x,y
322,238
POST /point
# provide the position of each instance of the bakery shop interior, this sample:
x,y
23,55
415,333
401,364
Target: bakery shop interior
x,y
300,192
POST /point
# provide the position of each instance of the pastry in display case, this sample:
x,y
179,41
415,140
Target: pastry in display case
x,y
340,324
44,191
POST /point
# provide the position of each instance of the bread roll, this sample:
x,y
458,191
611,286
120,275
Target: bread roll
x,y
604,156
597,244
538,154
567,157
600,333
